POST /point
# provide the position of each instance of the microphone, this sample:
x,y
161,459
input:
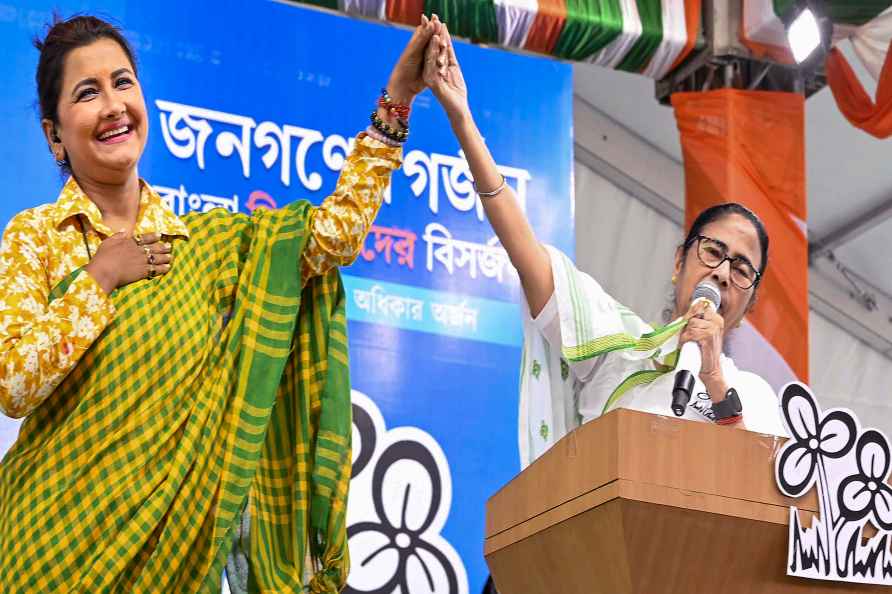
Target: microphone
x,y
689,357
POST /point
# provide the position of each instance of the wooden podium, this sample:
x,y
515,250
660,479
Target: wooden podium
x,y
639,503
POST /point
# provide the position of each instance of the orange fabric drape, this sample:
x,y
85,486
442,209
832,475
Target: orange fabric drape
x,y
547,26
692,10
853,101
748,147
407,12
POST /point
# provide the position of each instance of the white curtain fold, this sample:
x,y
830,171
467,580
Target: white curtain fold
x,y
375,9
515,17
675,37
871,42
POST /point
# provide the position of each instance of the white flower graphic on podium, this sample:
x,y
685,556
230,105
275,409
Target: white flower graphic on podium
x,y
849,466
866,493
814,439
400,496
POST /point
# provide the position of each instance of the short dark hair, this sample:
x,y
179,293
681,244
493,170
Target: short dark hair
x,y
61,38
720,211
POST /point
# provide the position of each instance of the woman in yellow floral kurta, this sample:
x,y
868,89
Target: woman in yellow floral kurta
x,y
42,342
66,267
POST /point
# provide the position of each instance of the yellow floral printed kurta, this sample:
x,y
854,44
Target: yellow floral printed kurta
x,y
41,342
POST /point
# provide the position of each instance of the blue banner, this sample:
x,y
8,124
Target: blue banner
x,y
257,104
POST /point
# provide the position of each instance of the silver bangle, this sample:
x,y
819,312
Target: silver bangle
x,y
494,192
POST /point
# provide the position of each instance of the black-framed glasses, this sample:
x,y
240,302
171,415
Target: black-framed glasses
x,y
713,253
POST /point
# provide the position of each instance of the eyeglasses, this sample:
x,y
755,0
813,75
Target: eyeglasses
x,y
713,253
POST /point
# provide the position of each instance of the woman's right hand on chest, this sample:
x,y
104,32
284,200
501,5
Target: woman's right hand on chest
x,y
122,259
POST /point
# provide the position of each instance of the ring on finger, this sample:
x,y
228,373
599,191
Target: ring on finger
x,y
151,258
138,239
151,271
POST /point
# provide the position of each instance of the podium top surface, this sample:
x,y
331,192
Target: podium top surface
x,y
652,451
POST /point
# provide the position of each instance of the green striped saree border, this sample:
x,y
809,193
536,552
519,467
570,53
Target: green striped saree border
x,y
622,341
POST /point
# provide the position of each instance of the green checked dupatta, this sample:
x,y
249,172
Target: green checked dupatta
x,y
219,383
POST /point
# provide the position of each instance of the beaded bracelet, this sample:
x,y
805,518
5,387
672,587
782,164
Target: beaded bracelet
x,y
400,110
397,135
373,133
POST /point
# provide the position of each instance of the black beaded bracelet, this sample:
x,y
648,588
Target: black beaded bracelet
x,y
397,135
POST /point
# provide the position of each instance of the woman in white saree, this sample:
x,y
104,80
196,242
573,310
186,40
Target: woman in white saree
x,y
584,352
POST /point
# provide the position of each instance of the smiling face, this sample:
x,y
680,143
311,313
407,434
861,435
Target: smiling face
x,y
740,239
101,125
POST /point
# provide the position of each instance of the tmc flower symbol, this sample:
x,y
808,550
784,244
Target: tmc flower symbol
x,y
867,492
813,438
395,552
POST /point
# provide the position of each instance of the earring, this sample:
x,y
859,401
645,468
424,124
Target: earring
x,y
674,278
63,162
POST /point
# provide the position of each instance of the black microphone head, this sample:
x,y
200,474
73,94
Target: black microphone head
x,y
707,290
681,392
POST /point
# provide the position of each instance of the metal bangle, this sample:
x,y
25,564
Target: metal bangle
x,y
494,192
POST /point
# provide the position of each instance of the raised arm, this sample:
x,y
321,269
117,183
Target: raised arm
x,y
339,225
443,75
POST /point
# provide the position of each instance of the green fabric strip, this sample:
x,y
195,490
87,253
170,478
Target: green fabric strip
x,y
638,378
474,19
622,341
590,25
671,360
321,418
651,14
330,4
62,287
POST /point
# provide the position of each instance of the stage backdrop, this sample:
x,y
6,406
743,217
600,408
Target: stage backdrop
x,y
254,105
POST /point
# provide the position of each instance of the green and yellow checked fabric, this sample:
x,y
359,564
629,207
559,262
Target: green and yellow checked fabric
x,y
218,380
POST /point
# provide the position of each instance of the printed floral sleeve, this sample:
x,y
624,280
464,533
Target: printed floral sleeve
x,y
339,225
40,342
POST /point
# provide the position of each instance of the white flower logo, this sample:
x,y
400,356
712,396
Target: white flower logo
x,y
401,492
849,467
866,493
